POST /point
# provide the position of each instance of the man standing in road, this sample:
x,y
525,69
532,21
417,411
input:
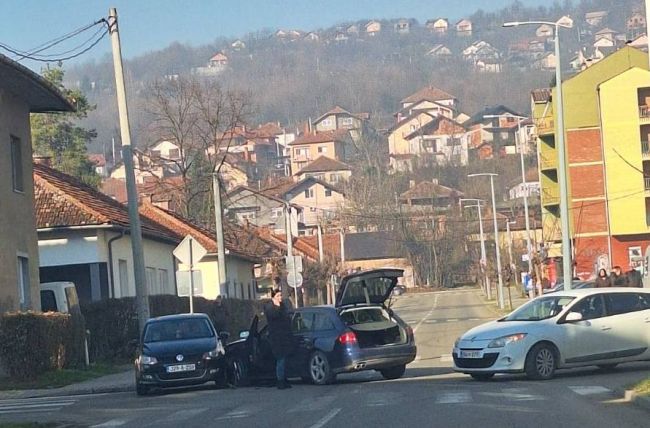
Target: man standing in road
x,y
279,325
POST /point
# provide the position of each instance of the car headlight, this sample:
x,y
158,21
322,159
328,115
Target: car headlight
x,y
503,341
219,350
147,360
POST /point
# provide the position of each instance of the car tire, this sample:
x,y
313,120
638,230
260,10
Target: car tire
x,y
395,372
610,366
237,373
482,377
541,362
318,367
141,389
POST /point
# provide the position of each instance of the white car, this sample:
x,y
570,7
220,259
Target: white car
x,y
601,327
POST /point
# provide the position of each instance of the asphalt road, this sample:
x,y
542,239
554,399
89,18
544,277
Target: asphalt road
x,y
429,395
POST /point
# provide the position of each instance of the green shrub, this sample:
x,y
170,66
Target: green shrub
x,y
32,343
113,323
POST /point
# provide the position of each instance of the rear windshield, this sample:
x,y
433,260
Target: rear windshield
x,y
364,316
181,329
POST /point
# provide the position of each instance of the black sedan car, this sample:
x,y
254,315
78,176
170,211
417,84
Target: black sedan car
x,y
358,333
178,350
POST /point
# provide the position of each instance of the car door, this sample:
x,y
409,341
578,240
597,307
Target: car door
x,y
588,339
628,313
302,323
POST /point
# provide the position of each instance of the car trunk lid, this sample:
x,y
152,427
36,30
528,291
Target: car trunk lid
x,y
372,287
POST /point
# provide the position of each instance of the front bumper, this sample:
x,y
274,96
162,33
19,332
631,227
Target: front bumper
x,y
508,359
156,375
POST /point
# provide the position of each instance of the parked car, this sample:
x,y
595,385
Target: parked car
x,y
358,333
600,326
60,296
178,350
399,290
575,285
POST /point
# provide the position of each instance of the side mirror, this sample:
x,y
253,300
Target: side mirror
x,y
574,316
224,336
244,334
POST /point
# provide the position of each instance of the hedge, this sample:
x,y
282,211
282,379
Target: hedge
x,y
113,323
32,343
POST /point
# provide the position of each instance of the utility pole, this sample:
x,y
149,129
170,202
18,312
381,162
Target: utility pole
x,y
287,216
141,292
483,262
218,219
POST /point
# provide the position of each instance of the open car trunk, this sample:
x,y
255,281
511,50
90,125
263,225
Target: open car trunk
x,y
373,326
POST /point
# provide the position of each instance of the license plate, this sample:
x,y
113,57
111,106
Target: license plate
x,y
181,368
471,354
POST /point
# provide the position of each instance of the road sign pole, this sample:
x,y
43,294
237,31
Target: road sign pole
x,y
191,280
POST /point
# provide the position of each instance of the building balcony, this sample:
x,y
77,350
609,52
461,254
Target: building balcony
x,y
301,158
644,114
545,125
646,184
551,195
547,159
645,149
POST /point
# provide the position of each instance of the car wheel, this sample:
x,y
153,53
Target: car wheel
x,y
607,366
541,362
141,389
320,372
393,372
482,377
237,373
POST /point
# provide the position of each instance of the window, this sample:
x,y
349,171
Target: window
x,y
346,121
322,149
591,307
622,303
322,322
23,283
174,154
335,178
163,280
504,135
48,301
302,322
155,154
326,122
276,212
328,193
124,277
246,216
152,283
17,165
309,193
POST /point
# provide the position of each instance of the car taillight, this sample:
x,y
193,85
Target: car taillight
x,y
409,331
348,338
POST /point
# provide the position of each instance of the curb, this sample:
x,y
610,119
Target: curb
x,y
16,394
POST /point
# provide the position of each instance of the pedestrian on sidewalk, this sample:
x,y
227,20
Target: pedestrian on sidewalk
x,y
603,280
279,325
617,277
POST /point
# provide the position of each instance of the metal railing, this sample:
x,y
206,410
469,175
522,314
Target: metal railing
x,y
645,148
646,183
644,111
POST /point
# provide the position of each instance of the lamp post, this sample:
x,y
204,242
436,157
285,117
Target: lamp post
x,y
483,261
523,180
496,234
567,268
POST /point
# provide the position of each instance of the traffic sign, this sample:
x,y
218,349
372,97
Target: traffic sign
x,y
189,251
293,263
294,279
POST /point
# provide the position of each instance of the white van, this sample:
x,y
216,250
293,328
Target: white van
x,y
59,296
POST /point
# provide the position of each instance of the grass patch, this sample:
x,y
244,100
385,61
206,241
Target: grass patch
x,y
59,378
643,387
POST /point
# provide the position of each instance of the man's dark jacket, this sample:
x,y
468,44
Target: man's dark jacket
x,y
279,325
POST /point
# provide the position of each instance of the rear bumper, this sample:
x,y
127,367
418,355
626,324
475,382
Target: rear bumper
x,y
357,359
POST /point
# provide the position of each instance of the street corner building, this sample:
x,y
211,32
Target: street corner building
x,y
22,92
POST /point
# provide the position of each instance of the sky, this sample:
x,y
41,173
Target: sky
x,y
147,25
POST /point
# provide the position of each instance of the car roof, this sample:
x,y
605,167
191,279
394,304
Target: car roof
x,y
322,308
177,317
609,290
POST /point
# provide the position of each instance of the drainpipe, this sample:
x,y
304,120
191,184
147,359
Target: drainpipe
x,y
110,261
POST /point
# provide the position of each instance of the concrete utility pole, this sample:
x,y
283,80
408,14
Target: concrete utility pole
x,y
141,292
287,218
218,220
483,262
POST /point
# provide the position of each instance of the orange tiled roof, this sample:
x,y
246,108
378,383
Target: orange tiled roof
x,y
324,164
429,93
429,189
321,137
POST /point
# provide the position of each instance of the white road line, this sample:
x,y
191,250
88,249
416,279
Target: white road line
x,y
446,358
435,303
452,320
328,417
589,390
454,398
111,423
182,415
238,413
6,412
313,405
35,406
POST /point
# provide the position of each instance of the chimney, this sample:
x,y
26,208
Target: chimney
x,y
434,181
42,160
411,184
310,126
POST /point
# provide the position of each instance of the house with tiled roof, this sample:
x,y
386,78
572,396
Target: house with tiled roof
x,y
464,28
307,147
493,132
439,51
23,92
244,251
431,94
326,169
430,194
595,18
339,118
438,26
373,28
83,237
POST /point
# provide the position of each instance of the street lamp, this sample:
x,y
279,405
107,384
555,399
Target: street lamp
x,y
496,233
523,180
567,269
483,263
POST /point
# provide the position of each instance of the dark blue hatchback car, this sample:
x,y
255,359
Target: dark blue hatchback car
x,y
358,333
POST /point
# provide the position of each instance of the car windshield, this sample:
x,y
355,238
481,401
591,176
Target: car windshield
x,y
178,329
540,309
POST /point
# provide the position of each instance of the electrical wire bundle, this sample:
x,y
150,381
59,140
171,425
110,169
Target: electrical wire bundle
x,y
43,53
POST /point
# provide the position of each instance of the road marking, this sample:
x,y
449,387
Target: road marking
x,y
452,320
474,319
435,303
446,358
111,423
514,396
238,413
7,407
313,405
182,415
589,390
454,398
328,417
378,399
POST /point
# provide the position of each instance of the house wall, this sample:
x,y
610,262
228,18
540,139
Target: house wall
x,y
244,202
239,274
331,149
397,144
334,177
319,206
17,224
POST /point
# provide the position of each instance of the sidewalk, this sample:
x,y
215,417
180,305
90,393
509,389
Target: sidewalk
x,y
118,382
